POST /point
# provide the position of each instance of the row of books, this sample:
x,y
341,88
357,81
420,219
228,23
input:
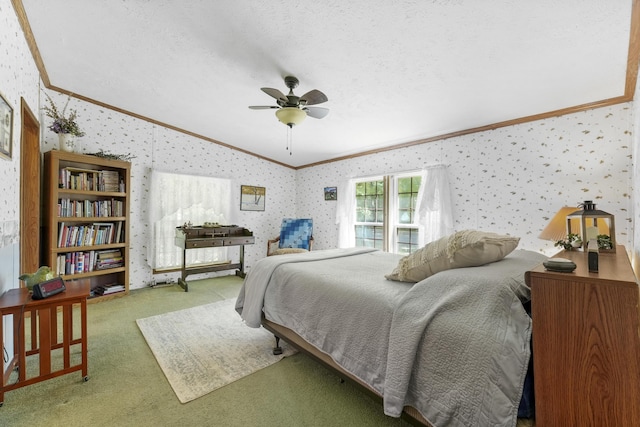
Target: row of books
x,y
84,262
98,233
88,208
90,180
107,290
109,259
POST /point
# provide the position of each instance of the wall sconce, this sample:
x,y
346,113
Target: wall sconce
x,y
594,225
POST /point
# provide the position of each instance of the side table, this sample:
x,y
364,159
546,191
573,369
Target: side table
x,y
41,316
586,342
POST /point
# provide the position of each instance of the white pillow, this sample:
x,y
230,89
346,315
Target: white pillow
x,y
468,248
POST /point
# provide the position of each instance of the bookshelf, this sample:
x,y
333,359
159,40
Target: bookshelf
x,y
86,221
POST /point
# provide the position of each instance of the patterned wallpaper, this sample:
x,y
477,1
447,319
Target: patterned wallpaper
x,y
509,180
168,150
19,78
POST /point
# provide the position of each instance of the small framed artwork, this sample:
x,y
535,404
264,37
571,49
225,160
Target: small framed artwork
x,y
330,193
252,198
6,128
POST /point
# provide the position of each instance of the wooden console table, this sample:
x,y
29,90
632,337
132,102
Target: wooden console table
x,y
210,237
41,316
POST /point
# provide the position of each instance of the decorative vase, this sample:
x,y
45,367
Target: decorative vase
x,y
67,142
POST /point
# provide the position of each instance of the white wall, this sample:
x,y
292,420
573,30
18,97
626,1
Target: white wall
x,y
509,180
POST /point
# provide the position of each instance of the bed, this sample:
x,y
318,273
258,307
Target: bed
x,y
452,349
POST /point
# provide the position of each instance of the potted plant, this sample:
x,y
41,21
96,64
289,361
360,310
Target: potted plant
x,y
64,125
572,241
604,241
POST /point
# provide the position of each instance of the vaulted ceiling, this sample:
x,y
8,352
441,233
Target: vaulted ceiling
x,y
396,72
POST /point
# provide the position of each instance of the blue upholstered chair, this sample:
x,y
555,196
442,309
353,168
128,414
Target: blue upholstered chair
x,y
296,235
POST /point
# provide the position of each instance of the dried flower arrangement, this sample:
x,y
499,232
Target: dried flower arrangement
x,y
61,122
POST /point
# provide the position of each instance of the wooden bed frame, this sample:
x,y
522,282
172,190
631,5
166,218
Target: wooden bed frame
x,y
409,413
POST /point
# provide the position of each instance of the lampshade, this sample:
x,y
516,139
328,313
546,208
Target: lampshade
x,y
291,116
557,227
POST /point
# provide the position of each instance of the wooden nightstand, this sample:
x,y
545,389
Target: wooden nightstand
x,y
41,318
586,343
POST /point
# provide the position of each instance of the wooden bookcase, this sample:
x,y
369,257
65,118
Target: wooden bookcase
x,y
86,220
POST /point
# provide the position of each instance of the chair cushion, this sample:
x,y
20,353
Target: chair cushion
x,y
296,232
285,251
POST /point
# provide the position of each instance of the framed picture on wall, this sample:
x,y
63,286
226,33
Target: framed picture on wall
x,y
6,128
252,198
330,193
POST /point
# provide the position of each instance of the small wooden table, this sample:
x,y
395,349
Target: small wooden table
x,y
43,323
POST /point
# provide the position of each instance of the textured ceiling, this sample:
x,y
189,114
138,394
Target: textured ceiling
x,y
395,71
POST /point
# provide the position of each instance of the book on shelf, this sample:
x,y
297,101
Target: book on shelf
x,y
110,258
88,208
118,237
103,233
78,179
75,263
71,178
61,235
87,261
110,180
108,289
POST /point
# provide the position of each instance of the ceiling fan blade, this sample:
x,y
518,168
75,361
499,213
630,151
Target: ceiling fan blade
x,y
316,112
262,107
313,97
275,93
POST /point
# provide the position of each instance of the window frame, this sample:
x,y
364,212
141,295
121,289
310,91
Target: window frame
x,y
374,224
390,223
394,206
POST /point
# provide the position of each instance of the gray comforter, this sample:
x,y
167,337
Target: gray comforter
x,y
455,346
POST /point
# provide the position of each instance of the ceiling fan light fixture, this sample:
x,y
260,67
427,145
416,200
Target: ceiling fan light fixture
x,y
291,116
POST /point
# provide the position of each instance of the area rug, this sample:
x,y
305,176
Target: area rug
x,y
203,348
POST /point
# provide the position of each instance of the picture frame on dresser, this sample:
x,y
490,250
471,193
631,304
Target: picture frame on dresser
x,y
6,128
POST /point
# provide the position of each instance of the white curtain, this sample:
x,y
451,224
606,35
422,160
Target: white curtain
x,y
176,199
346,214
434,207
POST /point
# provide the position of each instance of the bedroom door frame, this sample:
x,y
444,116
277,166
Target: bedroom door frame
x,y
30,190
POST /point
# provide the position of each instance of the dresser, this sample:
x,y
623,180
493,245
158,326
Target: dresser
x,y
586,343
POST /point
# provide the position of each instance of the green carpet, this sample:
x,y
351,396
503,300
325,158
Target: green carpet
x,y
126,386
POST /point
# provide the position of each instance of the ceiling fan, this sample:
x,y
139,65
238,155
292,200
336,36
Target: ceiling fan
x,y
293,109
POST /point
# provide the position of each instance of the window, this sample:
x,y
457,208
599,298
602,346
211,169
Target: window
x,y
177,199
420,210
398,230
370,214
407,235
